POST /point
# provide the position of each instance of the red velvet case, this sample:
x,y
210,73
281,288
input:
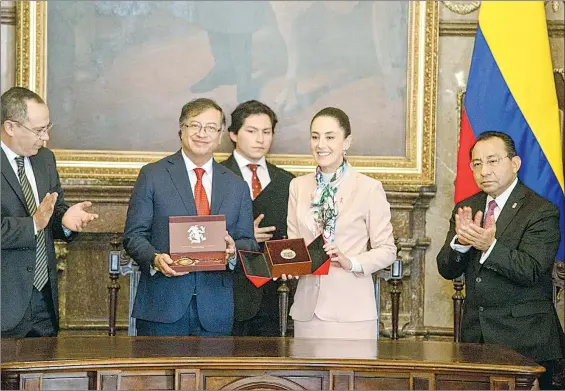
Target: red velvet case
x,y
278,259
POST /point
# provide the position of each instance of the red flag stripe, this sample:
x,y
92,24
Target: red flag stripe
x,y
465,185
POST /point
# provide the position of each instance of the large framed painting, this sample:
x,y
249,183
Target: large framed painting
x,y
116,74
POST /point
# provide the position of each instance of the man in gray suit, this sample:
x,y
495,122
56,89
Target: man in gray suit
x,y
34,213
505,239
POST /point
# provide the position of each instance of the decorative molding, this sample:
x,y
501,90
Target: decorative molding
x,y
462,7
468,28
467,7
8,13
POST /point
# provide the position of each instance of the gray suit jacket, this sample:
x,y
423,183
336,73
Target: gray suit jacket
x,y
18,237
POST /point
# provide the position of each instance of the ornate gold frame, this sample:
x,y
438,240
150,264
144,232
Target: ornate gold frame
x,y
109,168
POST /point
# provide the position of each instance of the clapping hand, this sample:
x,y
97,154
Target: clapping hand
x,y
76,217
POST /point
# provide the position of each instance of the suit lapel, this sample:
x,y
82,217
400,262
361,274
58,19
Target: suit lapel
x,y
231,163
179,176
512,206
346,188
11,178
220,187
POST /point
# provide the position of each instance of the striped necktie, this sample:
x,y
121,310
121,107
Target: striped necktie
x,y
41,274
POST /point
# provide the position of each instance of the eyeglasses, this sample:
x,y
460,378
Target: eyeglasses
x,y
477,165
195,127
39,132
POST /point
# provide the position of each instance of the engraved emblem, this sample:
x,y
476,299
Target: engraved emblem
x,y
196,233
287,253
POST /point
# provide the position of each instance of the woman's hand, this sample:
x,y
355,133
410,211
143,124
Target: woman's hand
x,y
337,256
286,277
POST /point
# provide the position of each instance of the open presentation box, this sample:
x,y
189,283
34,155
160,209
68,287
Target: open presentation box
x,y
197,243
286,256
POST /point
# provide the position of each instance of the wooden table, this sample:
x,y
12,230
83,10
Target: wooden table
x,y
166,363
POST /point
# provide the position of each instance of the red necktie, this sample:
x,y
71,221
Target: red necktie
x,y
255,183
200,197
489,214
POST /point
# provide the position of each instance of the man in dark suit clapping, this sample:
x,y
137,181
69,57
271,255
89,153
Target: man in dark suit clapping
x,y
34,214
505,239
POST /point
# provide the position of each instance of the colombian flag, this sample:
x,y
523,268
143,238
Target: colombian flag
x,y
511,89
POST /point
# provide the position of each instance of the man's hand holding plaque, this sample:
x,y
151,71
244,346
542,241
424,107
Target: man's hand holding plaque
x,y
161,263
230,247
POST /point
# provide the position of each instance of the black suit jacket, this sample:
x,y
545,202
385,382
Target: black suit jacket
x,y
18,237
509,296
273,203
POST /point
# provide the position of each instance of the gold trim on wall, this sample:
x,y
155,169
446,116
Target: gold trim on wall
x,y
7,13
468,28
401,173
467,7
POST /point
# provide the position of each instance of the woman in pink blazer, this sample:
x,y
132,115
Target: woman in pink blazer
x,y
352,212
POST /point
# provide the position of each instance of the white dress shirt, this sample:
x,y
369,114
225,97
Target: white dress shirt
x,y
206,178
500,202
262,171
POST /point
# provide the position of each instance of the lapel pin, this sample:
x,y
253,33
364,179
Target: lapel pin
x,y
514,205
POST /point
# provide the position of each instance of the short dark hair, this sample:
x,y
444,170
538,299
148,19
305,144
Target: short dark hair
x,y
14,103
198,106
246,110
506,139
337,114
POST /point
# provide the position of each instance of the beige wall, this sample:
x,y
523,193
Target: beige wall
x,y
456,44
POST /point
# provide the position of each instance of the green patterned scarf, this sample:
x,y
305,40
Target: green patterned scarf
x,y
324,203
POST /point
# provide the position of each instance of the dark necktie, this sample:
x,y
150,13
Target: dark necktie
x,y
255,182
200,197
489,214
41,275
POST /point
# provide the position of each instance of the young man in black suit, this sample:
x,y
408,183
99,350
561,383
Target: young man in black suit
x,y
252,129
505,239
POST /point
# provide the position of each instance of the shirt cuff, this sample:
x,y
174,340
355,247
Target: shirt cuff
x,y
232,260
67,232
356,267
461,248
34,227
485,255
152,270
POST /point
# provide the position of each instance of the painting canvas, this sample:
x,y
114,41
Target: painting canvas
x,y
116,74
119,71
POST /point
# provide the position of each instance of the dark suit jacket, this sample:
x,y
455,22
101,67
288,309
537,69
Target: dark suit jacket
x,y
18,237
273,203
162,190
509,297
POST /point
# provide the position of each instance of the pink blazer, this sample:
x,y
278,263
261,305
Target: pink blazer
x,y
363,232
